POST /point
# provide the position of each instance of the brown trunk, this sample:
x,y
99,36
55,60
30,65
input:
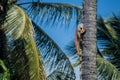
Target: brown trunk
x,y
88,67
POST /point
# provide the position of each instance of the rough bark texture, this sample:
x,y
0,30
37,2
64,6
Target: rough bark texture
x,y
89,49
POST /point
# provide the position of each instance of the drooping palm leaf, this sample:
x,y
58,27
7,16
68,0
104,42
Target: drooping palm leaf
x,y
106,33
51,14
22,57
115,23
109,31
53,57
102,34
106,71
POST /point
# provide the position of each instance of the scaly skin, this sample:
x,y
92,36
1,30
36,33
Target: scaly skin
x,y
78,38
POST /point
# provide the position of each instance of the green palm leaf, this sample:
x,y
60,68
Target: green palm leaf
x,y
53,57
107,71
4,72
108,32
115,23
22,57
53,13
11,1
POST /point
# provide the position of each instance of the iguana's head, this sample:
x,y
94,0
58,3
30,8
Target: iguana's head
x,y
81,29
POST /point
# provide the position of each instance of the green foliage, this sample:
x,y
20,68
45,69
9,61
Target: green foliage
x,y
108,31
23,58
4,72
108,36
11,1
107,71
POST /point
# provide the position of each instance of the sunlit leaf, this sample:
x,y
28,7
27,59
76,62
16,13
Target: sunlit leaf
x,y
107,71
22,57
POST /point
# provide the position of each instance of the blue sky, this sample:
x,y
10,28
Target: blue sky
x,y
107,7
104,8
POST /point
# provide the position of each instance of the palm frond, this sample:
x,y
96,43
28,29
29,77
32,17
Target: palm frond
x,y
102,36
52,14
112,55
57,75
71,48
106,34
76,63
53,57
106,71
4,72
22,57
110,32
72,53
115,23
12,1
14,23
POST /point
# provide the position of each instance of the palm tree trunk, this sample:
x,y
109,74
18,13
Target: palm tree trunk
x,y
88,67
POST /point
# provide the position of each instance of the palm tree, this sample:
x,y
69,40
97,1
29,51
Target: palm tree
x,y
25,47
88,68
15,34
